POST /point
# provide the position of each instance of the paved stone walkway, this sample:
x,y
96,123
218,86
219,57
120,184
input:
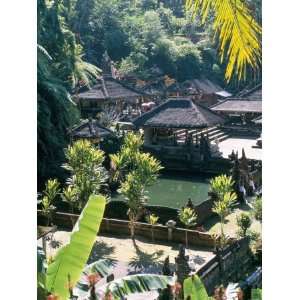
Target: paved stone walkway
x,y
237,144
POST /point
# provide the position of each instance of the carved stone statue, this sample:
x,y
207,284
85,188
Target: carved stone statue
x,y
181,264
166,270
190,203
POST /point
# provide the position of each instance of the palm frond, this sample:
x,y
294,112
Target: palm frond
x,y
238,33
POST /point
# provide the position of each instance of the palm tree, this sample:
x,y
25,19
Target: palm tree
x,y
152,220
239,34
188,217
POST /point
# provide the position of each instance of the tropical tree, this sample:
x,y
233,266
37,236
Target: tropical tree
x,y
222,208
62,274
47,202
126,159
244,222
136,171
257,209
220,185
60,70
188,217
239,34
88,176
134,186
152,220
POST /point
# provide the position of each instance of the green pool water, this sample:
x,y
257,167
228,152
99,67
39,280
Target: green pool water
x,y
174,191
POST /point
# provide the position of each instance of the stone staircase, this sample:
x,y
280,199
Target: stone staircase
x,y
214,133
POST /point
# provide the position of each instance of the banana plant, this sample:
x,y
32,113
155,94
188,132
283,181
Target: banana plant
x,y
65,269
194,289
96,270
139,283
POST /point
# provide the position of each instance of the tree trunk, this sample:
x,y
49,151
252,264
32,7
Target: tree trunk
x,y
186,239
132,229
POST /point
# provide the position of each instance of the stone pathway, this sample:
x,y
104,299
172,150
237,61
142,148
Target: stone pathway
x,y
237,144
131,258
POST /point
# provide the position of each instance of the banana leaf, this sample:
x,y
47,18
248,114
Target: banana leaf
x,y
41,273
139,283
71,259
231,291
101,267
194,289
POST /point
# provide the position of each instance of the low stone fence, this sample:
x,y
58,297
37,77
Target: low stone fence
x,y
229,265
121,227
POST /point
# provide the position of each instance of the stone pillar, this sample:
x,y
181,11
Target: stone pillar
x,y
170,224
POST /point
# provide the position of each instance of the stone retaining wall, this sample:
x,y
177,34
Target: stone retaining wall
x,y
121,227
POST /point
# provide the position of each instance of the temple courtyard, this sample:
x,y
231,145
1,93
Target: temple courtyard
x,y
131,257
237,144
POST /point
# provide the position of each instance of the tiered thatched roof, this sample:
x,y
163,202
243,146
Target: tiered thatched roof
x,y
248,101
239,106
90,129
178,113
205,86
254,94
109,88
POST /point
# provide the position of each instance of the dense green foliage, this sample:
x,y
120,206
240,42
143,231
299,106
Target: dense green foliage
x,y
244,222
60,69
257,209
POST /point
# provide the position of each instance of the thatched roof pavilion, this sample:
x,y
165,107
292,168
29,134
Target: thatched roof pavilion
x,y
178,113
238,106
177,121
206,87
109,88
90,129
254,94
106,91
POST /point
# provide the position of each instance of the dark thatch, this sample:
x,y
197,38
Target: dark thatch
x,y
258,120
205,86
178,113
254,94
90,129
109,88
243,106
